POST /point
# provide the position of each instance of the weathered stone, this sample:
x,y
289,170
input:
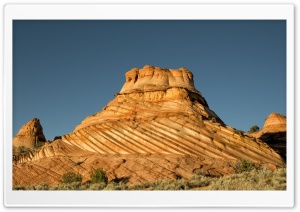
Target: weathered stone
x,y
274,133
152,78
275,122
158,126
30,134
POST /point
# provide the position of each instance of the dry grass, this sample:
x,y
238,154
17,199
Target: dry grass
x,y
254,179
263,179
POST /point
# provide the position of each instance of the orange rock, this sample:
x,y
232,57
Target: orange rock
x,y
30,134
158,126
274,133
275,123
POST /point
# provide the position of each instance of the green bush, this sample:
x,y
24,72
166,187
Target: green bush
x,y
22,150
71,177
98,176
244,166
39,144
253,129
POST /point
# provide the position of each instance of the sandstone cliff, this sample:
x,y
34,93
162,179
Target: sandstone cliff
x,y
30,134
158,126
273,133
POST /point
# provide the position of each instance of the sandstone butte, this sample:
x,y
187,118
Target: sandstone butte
x,y
157,127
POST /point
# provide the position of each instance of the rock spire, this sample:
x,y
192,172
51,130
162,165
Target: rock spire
x,y
30,134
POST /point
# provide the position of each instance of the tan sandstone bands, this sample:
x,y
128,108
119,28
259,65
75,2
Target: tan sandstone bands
x,y
152,78
158,126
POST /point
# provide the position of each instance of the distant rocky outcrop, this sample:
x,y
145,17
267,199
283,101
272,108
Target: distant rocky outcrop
x,y
275,123
30,134
158,126
274,133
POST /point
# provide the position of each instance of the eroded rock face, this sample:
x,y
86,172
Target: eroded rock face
x,y
151,78
275,122
129,168
30,134
274,133
158,126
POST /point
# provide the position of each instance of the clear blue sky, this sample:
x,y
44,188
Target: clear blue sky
x,y
64,71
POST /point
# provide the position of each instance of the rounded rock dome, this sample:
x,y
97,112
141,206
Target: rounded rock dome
x,y
274,120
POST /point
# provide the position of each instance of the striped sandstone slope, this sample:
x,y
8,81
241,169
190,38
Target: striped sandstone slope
x,y
158,126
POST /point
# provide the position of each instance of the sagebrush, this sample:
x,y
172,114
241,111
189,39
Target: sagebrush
x,y
256,178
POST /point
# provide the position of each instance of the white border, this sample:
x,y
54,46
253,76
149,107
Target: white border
x,y
147,198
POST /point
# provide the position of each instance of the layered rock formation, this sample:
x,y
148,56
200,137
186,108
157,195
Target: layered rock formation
x,y
275,123
30,134
152,78
158,126
273,133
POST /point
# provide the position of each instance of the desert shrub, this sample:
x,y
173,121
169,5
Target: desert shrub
x,y
69,186
97,186
42,186
29,187
21,151
111,186
199,181
179,184
116,186
241,181
278,180
253,129
18,187
39,144
85,186
244,166
98,176
53,188
138,186
264,172
71,177
256,179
